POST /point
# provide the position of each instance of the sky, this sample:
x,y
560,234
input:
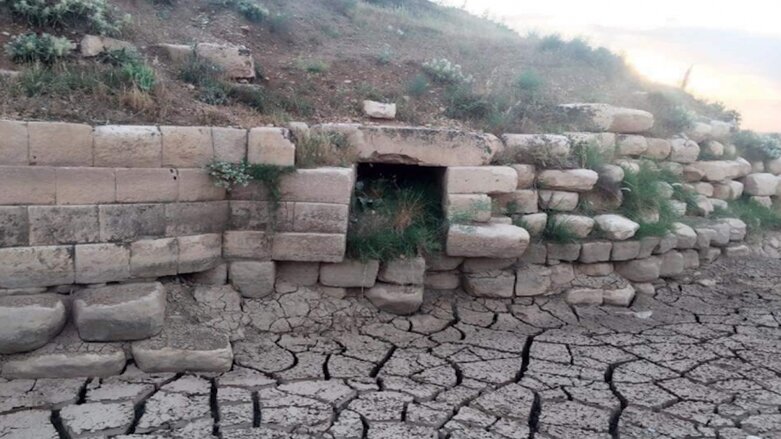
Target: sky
x,y
733,46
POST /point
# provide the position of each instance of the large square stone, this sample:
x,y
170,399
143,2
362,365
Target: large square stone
x,y
26,267
51,225
128,146
101,263
128,222
14,228
187,147
60,144
85,186
14,146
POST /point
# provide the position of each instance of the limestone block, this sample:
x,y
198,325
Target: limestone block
x,y
29,322
253,279
579,225
27,185
14,226
691,259
762,200
605,142
60,144
442,262
94,45
745,166
197,185
762,184
196,218
533,223
684,151
558,200
532,280
597,251
51,225
702,206
584,296
85,186
563,252
181,348
616,227
492,284
403,271
198,252
489,241
298,273
640,270
685,236
424,146
703,188
230,144
658,149
718,170
574,180
153,258
321,185
271,146
14,145
593,270
442,280
236,61
147,185
672,264
479,265
246,245
100,263
128,222
128,146
625,250
308,247
648,245
619,297
24,267
562,276
536,148
218,275
120,312
631,145
737,251
737,229
536,253
350,274
379,110
320,218
396,299
526,175
178,53
604,117
187,147
463,208
772,166
480,180
523,201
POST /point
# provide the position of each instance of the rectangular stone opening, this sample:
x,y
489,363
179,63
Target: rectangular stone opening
x,y
396,211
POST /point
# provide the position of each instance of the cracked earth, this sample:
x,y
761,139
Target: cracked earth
x,y
699,359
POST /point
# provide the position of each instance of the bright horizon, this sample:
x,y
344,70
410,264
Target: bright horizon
x,y
734,47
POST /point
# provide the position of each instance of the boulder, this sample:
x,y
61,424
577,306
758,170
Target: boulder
x,y
441,262
762,184
404,271
640,270
442,280
699,131
712,148
631,145
533,223
253,279
184,348
720,130
120,312
235,61
379,110
29,322
604,117
619,297
522,201
575,180
563,252
579,225
396,299
492,284
616,227
625,250
487,241
350,274
658,149
684,151
479,265
672,264
685,236
527,174
598,269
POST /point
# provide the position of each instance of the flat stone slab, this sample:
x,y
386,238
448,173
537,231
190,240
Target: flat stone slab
x,y
181,347
29,322
67,356
120,312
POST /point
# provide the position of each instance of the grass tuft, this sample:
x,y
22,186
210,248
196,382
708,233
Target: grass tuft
x,y
758,218
559,231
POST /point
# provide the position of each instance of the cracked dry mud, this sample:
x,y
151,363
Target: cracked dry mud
x,y
700,359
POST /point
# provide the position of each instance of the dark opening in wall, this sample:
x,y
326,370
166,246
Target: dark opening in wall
x,y
396,211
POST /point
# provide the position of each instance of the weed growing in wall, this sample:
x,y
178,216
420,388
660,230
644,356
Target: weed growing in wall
x,y
646,202
758,218
559,231
324,149
44,48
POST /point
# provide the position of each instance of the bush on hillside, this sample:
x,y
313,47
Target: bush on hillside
x,y
42,48
447,72
755,146
96,15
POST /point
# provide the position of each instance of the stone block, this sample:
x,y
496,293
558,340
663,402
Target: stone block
x,y
442,280
85,186
246,245
308,247
699,131
523,201
563,251
27,185
685,236
691,259
604,117
640,270
217,275
128,222
616,227
558,200
737,251
379,110
580,226
594,270
625,250
298,273
536,253
120,312
619,297
147,185
536,148
350,274
658,149
684,151
101,263
534,223
321,185
320,218
479,265
197,185
761,184
153,258
230,144
562,276
480,180
198,253
29,322
196,218
235,61
253,279
271,146
672,264
187,147
403,271
396,299
424,146
14,145
527,174
51,225
463,208
597,251
442,262
631,145
14,226
584,296
128,146
703,188
532,280
249,215
487,241
761,200
25,267
648,245
182,348
60,144
492,284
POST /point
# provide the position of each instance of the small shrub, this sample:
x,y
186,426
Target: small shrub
x,y
447,72
199,72
312,65
229,175
643,194
344,7
279,23
756,146
324,149
251,10
132,67
463,103
671,116
558,231
42,48
418,86
96,15
385,56
528,82
550,43
757,217
591,156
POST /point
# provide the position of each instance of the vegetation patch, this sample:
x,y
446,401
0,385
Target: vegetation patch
x,y
754,146
44,48
324,149
251,10
94,15
231,175
559,231
644,198
758,218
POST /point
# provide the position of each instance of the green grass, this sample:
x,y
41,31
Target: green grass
x,y
642,194
94,15
314,66
390,221
324,149
559,232
32,48
591,156
418,86
529,82
757,217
